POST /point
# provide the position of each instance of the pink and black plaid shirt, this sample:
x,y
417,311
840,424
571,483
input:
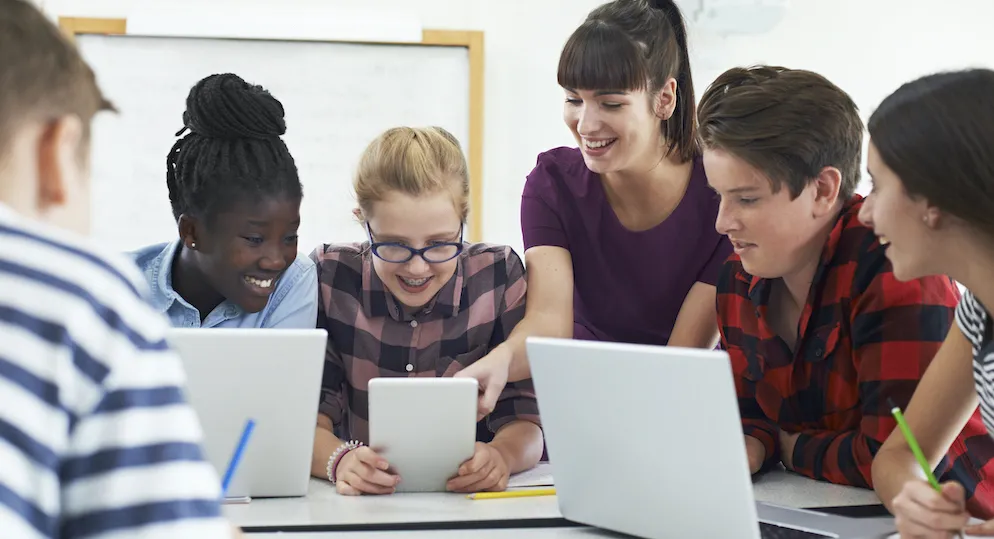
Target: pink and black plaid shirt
x,y
370,336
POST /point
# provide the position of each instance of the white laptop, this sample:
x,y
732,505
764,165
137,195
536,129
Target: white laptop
x,y
272,376
647,441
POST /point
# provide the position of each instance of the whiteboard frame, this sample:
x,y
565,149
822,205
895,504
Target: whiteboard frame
x,y
472,40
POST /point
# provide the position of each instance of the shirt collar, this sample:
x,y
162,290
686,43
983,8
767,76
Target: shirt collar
x,y
378,301
163,293
161,280
759,288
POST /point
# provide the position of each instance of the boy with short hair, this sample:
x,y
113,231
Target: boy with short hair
x,y
821,335
96,439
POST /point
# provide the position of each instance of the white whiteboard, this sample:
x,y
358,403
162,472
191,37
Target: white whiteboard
x,y
338,97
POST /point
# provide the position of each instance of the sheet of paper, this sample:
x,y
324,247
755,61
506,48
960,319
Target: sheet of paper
x,y
539,476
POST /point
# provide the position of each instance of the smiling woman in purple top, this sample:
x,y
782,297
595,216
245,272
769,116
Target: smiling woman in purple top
x,y
619,233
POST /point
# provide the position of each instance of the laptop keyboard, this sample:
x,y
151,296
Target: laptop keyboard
x,y
772,531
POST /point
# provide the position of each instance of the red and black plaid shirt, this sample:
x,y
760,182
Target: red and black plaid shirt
x,y
865,337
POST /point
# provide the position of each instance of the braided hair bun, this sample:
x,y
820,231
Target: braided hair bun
x,y
233,148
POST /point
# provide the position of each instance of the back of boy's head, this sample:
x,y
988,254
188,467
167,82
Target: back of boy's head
x,y
414,161
233,150
42,75
788,123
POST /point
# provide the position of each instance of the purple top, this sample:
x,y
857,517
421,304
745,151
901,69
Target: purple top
x,y
628,286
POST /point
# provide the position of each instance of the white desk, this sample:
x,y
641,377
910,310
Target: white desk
x,y
515,533
324,507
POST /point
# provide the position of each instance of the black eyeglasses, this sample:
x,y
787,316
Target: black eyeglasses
x,y
398,253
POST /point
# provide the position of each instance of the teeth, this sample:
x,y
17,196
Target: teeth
x,y
415,282
594,144
884,240
261,284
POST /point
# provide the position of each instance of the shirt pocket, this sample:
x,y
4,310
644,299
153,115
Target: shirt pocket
x,y
746,363
450,365
833,372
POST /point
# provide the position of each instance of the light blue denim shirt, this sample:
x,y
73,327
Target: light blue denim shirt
x,y
293,304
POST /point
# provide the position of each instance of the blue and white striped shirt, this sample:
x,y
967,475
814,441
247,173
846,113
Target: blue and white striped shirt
x,y
96,439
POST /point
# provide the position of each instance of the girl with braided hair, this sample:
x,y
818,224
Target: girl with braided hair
x,y
235,195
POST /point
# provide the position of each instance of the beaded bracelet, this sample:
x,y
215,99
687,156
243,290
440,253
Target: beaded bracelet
x,y
337,456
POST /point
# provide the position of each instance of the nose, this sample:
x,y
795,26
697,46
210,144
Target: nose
x,y
417,266
588,120
866,212
725,222
273,260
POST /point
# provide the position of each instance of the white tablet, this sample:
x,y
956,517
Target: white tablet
x,y
424,427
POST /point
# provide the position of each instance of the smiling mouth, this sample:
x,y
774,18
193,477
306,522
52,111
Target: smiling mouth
x,y
598,145
262,287
414,286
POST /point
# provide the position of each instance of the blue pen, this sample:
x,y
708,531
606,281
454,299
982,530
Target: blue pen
x,y
236,457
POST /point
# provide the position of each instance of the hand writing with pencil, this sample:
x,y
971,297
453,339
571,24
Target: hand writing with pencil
x,y
362,471
487,470
920,511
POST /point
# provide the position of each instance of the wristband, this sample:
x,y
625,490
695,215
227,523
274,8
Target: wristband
x,y
337,456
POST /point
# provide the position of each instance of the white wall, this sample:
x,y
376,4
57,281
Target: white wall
x,y
868,47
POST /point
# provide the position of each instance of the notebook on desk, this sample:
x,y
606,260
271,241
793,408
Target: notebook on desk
x,y
631,427
539,476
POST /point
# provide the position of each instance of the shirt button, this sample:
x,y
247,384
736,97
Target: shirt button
x,y
414,323
410,367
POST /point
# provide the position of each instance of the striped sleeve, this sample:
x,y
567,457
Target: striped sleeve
x,y
971,317
96,438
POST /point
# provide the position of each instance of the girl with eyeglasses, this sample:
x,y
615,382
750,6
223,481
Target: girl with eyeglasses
x,y
415,300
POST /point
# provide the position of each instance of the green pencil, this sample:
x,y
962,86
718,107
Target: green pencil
x,y
915,448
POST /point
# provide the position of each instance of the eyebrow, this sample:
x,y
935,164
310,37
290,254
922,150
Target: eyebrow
x,y
600,93
258,223
453,236
740,190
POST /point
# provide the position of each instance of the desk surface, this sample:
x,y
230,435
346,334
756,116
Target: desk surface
x,y
510,533
324,507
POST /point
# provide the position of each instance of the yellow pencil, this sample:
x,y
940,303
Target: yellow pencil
x,y
513,494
